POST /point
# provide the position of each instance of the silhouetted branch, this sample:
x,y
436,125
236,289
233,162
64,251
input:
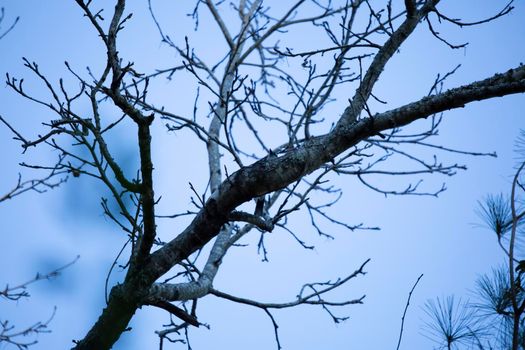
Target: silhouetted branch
x,y
406,309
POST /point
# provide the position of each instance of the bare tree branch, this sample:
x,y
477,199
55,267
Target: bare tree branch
x,y
271,143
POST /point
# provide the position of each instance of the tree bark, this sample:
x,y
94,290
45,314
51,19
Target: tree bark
x,y
272,173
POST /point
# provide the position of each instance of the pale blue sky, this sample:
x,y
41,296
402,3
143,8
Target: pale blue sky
x,y
436,237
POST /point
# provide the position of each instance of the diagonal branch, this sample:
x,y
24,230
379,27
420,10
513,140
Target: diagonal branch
x,y
275,172
388,49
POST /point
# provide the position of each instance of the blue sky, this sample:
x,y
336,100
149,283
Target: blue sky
x,y
434,236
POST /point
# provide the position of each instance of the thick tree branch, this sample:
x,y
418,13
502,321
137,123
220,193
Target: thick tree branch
x,y
275,172
147,195
388,49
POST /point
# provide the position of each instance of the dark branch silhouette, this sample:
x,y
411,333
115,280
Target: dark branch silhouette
x,y
260,112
